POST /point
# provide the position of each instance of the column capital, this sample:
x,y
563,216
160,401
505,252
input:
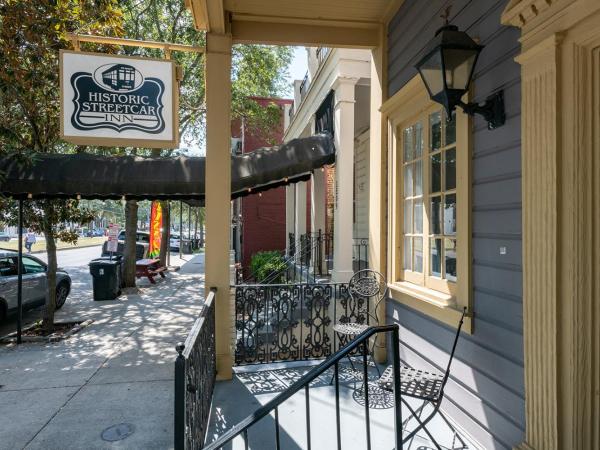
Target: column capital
x,y
344,81
344,90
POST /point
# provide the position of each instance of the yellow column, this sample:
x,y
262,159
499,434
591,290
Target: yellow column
x,y
560,117
218,191
378,186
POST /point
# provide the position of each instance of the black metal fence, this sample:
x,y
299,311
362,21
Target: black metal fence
x,y
288,322
195,370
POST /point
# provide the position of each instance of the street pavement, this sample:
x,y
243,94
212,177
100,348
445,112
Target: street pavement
x,y
118,370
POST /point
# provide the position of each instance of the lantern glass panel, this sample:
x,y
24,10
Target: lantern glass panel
x,y
458,64
431,71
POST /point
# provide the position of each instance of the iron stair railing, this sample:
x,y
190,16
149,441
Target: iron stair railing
x,y
362,340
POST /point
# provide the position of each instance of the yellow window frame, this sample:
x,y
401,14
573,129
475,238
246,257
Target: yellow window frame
x,y
433,296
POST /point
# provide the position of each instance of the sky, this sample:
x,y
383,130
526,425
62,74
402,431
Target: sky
x,y
297,69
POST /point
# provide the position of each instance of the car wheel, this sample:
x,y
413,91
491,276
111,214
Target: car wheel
x,y
62,291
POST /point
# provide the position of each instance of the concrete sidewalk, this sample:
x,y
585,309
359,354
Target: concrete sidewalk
x,y
119,370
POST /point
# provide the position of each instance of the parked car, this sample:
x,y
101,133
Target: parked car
x,y
98,232
174,242
34,283
142,244
4,237
141,236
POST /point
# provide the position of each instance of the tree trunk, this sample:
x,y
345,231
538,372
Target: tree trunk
x,y
131,209
164,238
50,306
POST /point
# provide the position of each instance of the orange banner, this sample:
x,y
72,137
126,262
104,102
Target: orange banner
x,y
155,229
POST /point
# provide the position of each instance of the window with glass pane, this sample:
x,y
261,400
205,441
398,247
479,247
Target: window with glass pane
x,y
442,196
412,172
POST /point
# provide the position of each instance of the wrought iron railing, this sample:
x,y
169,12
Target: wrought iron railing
x,y
195,370
322,53
358,345
304,87
289,322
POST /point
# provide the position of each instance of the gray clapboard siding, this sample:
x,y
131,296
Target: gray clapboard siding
x,y
486,390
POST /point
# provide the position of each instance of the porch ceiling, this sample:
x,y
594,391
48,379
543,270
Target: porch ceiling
x,y
335,23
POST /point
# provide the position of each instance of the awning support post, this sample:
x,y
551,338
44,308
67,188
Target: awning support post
x,y
20,274
180,229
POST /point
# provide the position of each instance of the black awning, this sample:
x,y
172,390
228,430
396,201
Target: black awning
x,y
181,178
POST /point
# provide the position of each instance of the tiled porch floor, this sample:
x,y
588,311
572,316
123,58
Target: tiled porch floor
x,y
253,386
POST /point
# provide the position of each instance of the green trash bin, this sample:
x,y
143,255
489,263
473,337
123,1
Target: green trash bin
x,y
106,277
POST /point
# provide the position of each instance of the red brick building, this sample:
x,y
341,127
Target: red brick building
x,y
261,226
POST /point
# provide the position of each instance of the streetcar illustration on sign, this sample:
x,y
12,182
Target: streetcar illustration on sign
x,y
120,77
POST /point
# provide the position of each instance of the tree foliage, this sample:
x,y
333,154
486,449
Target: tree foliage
x,y
257,70
31,35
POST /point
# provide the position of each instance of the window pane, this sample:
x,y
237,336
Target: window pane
x,y
408,180
436,257
436,173
435,126
450,257
408,253
450,135
436,215
408,144
408,219
418,178
418,261
450,214
418,131
450,167
32,266
418,219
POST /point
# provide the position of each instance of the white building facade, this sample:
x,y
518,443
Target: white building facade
x,y
335,97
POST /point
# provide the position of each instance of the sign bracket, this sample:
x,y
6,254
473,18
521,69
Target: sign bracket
x,y
167,47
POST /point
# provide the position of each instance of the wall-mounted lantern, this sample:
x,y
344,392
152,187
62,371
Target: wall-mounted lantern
x,y
447,69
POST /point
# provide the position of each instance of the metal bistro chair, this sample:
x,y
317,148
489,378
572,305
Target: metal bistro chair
x,y
425,386
364,284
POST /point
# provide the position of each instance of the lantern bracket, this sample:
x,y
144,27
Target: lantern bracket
x,y
492,110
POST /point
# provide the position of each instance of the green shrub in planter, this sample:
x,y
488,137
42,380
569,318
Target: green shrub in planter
x,y
264,264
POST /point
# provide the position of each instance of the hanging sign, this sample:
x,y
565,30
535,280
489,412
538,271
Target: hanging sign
x,y
113,236
113,100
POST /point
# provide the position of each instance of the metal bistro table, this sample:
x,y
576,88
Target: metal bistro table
x,y
149,268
